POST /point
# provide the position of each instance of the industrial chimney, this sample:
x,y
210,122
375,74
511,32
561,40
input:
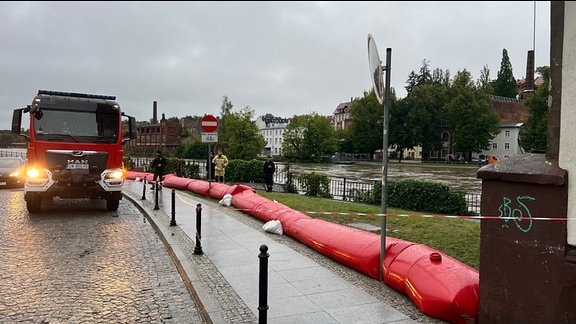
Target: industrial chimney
x,y
529,85
154,113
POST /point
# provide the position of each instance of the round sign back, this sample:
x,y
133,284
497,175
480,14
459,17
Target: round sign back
x,y
376,71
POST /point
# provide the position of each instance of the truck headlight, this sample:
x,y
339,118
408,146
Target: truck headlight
x,y
114,175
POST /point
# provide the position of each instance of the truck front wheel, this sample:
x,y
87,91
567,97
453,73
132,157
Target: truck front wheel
x,y
33,202
112,204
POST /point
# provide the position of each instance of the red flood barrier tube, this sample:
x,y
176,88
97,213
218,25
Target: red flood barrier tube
x,y
239,188
266,210
218,190
358,249
199,187
441,286
171,181
133,175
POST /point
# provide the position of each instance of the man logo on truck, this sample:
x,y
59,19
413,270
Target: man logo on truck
x,y
74,147
77,164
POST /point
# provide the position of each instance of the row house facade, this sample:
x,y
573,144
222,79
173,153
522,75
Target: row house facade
x,y
272,129
513,115
340,117
163,134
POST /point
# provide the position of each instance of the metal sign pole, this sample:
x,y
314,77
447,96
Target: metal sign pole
x,y
385,134
209,167
383,98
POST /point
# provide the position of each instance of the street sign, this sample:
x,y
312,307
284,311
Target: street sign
x,y
209,137
209,123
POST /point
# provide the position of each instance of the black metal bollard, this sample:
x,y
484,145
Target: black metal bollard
x,y
198,247
173,220
263,285
143,189
156,207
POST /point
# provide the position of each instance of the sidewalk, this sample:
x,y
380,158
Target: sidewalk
x,y
224,277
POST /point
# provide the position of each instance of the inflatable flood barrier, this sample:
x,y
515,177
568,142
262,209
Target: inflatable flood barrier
x,y
441,286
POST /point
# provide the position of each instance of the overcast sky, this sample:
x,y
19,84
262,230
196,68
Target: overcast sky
x,y
283,58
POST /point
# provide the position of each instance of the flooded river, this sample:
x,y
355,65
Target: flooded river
x,y
461,177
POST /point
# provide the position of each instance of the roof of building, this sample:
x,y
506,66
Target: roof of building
x,y
342,108
510,110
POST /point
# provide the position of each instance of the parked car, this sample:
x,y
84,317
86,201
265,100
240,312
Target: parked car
x,y
11,172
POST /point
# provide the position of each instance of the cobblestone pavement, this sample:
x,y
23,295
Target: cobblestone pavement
x,y
78,263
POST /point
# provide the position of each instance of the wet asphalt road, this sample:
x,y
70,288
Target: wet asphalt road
x,y
76,262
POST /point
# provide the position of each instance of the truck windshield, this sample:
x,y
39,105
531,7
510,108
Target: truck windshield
x,y
82,126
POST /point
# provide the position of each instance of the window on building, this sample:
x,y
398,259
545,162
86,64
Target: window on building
x,y
506,146
507,133
494,146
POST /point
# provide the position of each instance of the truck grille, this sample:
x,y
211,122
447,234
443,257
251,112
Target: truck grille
x,y
76,168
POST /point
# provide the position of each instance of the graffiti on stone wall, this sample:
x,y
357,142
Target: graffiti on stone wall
x,y
517,211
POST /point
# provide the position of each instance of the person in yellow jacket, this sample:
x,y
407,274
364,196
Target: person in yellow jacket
x,y
220,162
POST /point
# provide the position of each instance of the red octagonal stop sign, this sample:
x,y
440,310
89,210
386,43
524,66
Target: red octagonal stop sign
x,y
209,123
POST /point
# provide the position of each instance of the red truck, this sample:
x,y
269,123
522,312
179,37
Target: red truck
x,y
74,147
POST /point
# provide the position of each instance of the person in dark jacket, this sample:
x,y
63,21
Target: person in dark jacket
x,y
158,165
269,168
210,167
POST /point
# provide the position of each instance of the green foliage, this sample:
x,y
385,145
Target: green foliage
x,y
128,163
238,136
483,83
421,196
365,131
290,184
315,184
193,149
423,111
505,84
245,171
534,134
182,168
470,114
436,103
179,167
426,196
309,138
8,139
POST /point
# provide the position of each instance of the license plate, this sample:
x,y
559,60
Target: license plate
x,y
77,166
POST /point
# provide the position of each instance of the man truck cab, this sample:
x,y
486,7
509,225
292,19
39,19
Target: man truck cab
x,y
74,147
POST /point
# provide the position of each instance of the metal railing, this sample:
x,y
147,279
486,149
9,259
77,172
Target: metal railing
x,y
340,188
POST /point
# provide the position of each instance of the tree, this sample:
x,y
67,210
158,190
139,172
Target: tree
x,y
309,138
424,109
9,139
238,136
534,134
415,80
192,149
505,84
399,126
471,117
365,131
484,83
440,77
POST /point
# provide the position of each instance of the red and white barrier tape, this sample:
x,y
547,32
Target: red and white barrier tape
x,y
425,215
445,216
